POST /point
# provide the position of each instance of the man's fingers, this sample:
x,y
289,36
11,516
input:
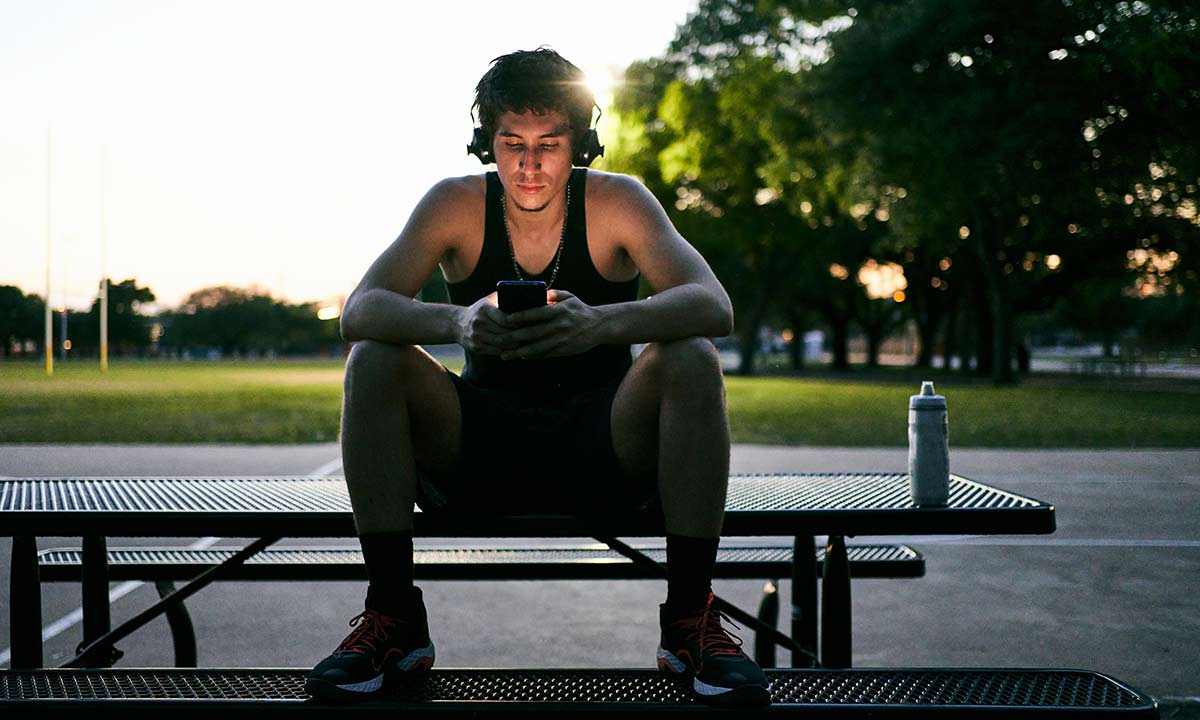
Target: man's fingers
x,y
532,333
532,317
541,348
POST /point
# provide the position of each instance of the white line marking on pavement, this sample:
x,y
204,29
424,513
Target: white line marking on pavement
x,y
328,468
73,618
1043,542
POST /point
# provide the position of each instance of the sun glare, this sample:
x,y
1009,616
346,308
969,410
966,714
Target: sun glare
x,y
601,82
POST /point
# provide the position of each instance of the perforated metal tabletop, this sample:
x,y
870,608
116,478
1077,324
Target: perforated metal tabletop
x,y
867,692
781,504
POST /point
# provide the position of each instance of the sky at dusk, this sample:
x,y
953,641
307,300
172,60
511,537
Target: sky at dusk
x,y
272,144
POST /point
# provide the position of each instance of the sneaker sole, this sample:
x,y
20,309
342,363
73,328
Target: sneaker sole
x,y
742,696
417,661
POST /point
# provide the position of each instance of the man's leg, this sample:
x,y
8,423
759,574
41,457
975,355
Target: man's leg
x,y
400,409
669,419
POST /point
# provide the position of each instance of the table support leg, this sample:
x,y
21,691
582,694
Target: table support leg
x,y
96,614
183,634
835,605
25,610
96,611
768,612
804,598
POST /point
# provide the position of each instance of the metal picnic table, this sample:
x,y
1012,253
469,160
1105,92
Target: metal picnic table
x,y
792,504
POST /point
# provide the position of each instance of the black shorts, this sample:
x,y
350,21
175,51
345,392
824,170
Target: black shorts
x,y
526,453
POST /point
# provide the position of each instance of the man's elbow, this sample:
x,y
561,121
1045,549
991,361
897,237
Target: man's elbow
x,y
723,318
723,325
349,323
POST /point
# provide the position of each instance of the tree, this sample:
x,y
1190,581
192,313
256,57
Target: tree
x,y
240,321
1023,127
128,328
723,141
20,318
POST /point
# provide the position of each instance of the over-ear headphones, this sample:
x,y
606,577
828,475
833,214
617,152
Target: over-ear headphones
x,y
589,147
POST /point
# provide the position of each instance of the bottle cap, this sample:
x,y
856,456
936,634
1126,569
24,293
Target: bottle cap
x,y
928,399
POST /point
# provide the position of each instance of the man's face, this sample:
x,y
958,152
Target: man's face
x,y
533,157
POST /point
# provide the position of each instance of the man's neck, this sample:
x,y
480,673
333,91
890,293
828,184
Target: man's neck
x,y
538,227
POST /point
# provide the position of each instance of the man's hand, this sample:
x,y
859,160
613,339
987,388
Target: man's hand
x,y
565,326
482,328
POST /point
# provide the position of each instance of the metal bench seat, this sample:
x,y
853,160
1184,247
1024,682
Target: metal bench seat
x,y
165,565
559,562
940,693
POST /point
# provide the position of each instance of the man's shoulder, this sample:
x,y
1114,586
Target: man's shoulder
x,y
458,193
613,186
621,197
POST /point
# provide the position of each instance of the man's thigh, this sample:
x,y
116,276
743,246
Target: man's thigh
x,y
634,418
686,374
435,416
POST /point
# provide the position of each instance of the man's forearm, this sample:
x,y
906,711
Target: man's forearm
x,y
390,317
680,312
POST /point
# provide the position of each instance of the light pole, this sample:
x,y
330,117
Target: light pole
x,y
49,343
103,269
66,344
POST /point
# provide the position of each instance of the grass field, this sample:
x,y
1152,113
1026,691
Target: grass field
x,y
297,402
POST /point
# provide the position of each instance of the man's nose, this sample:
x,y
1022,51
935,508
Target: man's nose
x,y
530,160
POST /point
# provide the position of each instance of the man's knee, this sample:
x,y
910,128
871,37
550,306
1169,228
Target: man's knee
x,y
690,363
373,365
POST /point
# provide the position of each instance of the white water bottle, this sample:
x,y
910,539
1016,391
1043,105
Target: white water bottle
x,y
928,448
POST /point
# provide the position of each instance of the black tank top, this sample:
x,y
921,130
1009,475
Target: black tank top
x,y
576,274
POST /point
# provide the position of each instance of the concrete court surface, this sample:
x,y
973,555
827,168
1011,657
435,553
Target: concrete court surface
x,y
1114,589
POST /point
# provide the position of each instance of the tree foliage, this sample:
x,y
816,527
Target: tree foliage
x,y
240,322
1008,156
20,319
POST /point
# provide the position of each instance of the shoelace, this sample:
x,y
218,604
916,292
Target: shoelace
x,y
370,628
707,628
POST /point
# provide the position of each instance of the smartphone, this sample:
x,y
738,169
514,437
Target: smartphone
x,y
517,295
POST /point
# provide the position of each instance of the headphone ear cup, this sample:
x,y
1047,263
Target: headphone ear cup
x,y
589,149
481,146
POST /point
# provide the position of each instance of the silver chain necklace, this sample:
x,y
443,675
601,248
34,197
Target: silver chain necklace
x,y
562,239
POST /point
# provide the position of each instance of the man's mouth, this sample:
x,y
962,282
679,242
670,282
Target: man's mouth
x,y
529,189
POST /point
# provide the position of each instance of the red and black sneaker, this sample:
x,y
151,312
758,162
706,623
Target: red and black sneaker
x,y
379,646
696,645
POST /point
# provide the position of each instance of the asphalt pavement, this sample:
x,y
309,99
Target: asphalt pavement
x,y
1114,589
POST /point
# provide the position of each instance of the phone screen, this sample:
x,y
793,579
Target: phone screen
x,y
518,295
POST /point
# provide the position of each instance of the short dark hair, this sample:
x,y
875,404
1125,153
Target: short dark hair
x,y
538,81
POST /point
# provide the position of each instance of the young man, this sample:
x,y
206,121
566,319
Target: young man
x,y
550,414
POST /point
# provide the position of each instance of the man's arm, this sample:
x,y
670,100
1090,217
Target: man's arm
x,y
688,299
382,307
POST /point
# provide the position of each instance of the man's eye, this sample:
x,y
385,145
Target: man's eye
x,y
511,146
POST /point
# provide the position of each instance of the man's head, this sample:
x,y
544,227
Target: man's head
x,y
534,81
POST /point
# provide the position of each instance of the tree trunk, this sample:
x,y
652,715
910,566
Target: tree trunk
x,y
950,342
748,337
839,331
928,319
748,347
1002,341
982,335
796,349
874,340
1000,307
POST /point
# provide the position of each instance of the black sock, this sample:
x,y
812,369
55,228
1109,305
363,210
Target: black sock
x,y
689,571
389,560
